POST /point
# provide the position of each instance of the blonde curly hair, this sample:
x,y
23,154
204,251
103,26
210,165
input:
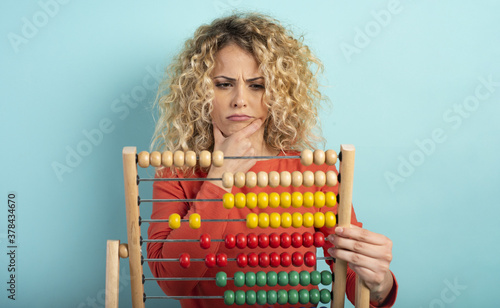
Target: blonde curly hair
x,y
291,88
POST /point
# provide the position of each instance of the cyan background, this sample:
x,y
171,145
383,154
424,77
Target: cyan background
x,y
81,64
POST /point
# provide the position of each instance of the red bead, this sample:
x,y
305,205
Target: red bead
x,y
205,241
286,259
274,259
253,259
252,240
185,260
286,240
230,241
274,240
296,240
221,259
241,240
263,240
263,259
242,260
310,259
210,260
319,239
307,239
297,259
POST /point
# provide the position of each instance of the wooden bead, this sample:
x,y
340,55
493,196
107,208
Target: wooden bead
x,y
123,251
331,178
274,220
167,159
308,178
285,179
262,179
251,179
143,159
239,179
306,157
330,157
218,158
205,159
190,158
155,159
296,178
179,158
274,179
227,180
319,178
319,157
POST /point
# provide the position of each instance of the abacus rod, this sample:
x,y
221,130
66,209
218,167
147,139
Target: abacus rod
x,y
179,240
203,260
178,179
183,278
262,157
181,200
187,220
186,297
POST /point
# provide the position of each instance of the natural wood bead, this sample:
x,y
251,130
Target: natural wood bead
x,y
285,179
227,180
331,178
274,179
167,159
178,158
205,159
319,157
306,157
155,159
123,251
190,158
262,179
331,157
239,179
319,178
308,178
218,158
143,159
296,178
251,179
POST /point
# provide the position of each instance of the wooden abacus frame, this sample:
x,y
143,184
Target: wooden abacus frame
x,y
115,250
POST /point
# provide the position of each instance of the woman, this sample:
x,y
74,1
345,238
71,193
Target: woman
x,y
244,86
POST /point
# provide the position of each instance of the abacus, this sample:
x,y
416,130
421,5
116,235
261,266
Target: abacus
x,y
132,250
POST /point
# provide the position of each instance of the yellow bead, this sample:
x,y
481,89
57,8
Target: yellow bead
x,y
319,220
252,221
319,199
174,221
240,200
194,221
286,220
262,200
263,220
331,199
308,199
275,220
308,220
297,199
228,201
297,220
251,200
330,220
274,200
285,200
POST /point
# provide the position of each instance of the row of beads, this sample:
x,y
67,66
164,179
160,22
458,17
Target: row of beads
x,y
287,220
275,179
271,297
292,278
285,200
272,240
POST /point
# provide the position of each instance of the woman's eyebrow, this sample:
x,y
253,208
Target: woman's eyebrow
x,y
233,79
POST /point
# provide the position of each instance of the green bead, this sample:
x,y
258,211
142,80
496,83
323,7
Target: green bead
x,y
221,279
326,278
272,279
305,278
239,279
293,297
239,297
282,297
303,296
272,297
293,278
251,297
262,297
315,278
228,297
314,296
283,278
325,296
250,279
261,278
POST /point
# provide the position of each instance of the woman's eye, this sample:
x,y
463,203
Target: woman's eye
x,y
257,86
223,85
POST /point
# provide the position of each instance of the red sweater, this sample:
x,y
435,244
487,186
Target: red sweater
x,y
218,230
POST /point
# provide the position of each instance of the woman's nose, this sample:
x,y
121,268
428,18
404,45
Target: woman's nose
x,y
240,97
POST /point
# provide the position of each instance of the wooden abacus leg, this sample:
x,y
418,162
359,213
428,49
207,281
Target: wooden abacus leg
x,y
112,273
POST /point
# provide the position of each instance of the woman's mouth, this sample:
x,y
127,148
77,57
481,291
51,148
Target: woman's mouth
x,y
239,117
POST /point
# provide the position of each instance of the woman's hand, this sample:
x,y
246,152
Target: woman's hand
x,y
369,255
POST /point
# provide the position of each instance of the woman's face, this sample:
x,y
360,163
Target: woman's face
x,y
239,90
